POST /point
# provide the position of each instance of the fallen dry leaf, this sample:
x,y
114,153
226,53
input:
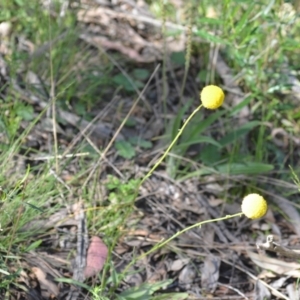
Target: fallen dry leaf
x,y
289,210
210,273
45,283
178,264
187,275
96,256
277,266
293,292
261,291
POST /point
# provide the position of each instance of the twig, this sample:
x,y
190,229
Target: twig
x,y
272,246
255,278
82,245
236,290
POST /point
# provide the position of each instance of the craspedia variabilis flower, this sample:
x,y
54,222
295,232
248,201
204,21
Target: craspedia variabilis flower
x,y
254,206
212,97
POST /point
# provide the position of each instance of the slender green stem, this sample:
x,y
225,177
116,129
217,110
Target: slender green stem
x,y
171,145
163,243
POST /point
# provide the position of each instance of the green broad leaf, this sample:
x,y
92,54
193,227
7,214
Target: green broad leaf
x,y
141,74
123,81
236,134
25,112
125,149
113,182
178,58
139,84
19,2
80,108
130,122
244,168
202,75
210,154
145,144
136,141
144,291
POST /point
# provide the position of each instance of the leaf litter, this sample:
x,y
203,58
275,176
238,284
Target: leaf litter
x,y
216,261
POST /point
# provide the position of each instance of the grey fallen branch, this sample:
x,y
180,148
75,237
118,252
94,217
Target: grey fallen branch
x,y
272,246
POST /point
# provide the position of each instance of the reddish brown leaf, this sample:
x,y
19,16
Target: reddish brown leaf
x,y
96,256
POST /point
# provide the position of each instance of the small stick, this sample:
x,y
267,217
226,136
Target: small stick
x,y
272,246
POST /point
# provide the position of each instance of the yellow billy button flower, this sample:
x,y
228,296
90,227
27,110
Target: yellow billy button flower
x,y
254,206
212,97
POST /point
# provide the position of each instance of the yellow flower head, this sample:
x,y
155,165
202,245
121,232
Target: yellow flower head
x,y
254,206
212,97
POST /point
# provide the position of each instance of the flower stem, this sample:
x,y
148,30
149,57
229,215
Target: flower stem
x,y
163,243
171,145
